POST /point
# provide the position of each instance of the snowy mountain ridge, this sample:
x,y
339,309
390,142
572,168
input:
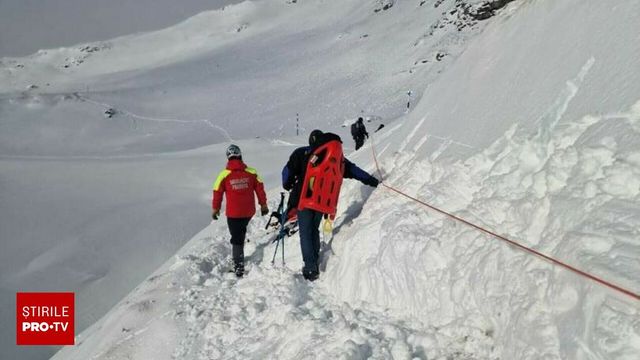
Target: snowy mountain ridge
x,y
181,75
195,36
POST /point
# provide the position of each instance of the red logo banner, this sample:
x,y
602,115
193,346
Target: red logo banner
x,y
45,318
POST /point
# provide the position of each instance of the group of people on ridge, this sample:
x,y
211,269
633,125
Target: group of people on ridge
x,y
313,176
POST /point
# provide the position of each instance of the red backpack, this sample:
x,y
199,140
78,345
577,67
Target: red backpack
x,y
323,179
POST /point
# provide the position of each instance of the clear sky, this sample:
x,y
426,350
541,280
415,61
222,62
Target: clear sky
x,y
29,25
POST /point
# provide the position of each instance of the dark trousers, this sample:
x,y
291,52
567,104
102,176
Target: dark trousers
x,y
308,223
359,142
238,230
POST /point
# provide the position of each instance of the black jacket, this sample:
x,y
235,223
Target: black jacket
x,y
294,171
358,130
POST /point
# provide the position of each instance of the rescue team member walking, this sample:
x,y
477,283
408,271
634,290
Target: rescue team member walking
x,y
359,131
314,176
239,182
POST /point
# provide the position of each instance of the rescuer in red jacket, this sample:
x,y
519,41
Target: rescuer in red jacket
x,y
239,182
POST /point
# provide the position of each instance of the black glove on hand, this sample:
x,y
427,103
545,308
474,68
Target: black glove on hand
x,y
373,182
215,214
264,210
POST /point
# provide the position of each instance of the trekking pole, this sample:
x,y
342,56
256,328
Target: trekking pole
x,y
273,260
280,236
283,250
276,213
283,220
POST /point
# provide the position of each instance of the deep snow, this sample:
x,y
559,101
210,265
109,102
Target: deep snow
x,y
532,129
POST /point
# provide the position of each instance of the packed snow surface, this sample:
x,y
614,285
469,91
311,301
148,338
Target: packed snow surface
x,y
527,124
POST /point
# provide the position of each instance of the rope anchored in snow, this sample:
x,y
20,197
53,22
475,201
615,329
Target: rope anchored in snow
x,y
500,237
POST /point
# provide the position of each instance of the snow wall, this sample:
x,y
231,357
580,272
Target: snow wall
x,y
534,132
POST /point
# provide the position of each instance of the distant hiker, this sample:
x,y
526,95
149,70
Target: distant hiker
x,y
314,176
239,182
358,131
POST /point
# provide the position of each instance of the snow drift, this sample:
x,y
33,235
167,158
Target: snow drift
x,y
533,132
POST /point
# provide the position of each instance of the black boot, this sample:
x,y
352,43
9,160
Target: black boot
x,y
238,259
238,269
310,275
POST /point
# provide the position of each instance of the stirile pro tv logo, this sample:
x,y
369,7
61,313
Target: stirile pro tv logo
x,y
45,318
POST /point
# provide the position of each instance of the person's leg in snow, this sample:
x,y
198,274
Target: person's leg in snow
x,y
238,230
308,223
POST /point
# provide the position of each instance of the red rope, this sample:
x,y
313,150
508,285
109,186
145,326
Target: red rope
x,y
511,242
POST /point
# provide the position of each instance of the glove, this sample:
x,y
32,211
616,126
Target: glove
x,y
215,214
264,210
372,181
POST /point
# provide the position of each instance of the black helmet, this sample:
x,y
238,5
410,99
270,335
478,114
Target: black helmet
x,y
360,119
314,137
233,151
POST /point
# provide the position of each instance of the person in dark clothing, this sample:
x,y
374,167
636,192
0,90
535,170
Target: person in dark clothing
x,y
359,132
239,182
293,176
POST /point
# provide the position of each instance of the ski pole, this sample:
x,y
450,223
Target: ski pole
x,y
273,260
276,213
283,231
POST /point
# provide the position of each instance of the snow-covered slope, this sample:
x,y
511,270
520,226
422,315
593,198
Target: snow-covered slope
x,y
30,25
534,133
531,128
93,204
248,69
